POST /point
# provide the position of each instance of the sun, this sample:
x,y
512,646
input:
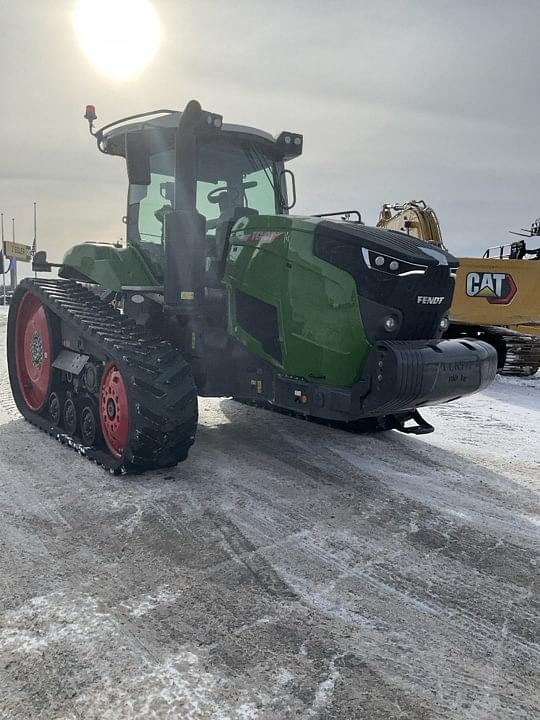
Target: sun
x,y
120,37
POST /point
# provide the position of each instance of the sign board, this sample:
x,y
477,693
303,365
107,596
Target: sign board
x,y
22,253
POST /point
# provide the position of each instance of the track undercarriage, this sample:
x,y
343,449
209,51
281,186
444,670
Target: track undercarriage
x,y
92,378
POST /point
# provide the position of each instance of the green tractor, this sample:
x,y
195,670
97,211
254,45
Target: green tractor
x,y
218,292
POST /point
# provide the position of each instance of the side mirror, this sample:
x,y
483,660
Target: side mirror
x,y
137,159
41,264
284,188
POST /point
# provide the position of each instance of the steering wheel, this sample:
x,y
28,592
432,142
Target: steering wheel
x,y
214,196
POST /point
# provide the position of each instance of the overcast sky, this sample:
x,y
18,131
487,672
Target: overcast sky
x,y
429,100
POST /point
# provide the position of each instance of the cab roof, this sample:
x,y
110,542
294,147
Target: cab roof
x,y
112,137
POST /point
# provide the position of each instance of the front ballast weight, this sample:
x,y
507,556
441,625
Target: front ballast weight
x,y
399,378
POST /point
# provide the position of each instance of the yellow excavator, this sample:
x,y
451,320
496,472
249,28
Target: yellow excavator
x,y
496,298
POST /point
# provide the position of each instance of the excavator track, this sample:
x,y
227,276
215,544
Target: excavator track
x,y
143,401
518,353
522,355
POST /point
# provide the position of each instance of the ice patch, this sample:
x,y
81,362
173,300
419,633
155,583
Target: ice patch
x,y
150,602
326,688
284,677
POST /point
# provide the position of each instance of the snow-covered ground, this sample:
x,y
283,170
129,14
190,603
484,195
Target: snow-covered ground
x,y
284,571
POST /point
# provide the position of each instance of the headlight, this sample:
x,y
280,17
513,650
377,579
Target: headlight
x,y
390,323
391,265
444,324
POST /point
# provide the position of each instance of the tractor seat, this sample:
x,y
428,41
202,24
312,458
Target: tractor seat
x,y
223,230
216,264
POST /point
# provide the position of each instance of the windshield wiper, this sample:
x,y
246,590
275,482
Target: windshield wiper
x,y
252,151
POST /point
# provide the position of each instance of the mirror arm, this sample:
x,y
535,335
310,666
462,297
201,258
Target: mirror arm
x,y
283,174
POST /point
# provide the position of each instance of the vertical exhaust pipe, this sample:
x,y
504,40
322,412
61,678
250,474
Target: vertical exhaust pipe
x,y
185,228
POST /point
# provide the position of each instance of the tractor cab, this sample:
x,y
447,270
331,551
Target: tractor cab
x,y
191,178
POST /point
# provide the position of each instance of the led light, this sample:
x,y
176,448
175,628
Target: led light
x,y
444,323
297,141
390,323
287,139
394,265
379,260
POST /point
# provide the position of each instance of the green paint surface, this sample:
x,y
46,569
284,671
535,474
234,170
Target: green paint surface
x,y
109,266
321,331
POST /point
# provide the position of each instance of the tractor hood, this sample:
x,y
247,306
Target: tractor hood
x,y
398,279
331,235
396,276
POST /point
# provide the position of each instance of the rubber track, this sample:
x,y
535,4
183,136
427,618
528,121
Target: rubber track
x,y
161,391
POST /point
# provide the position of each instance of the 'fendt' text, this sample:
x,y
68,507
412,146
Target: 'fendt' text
x,y
429,300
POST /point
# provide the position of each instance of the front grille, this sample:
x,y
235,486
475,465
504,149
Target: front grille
x,y
421,321
381,293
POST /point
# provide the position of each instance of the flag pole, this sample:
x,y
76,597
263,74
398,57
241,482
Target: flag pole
x,y
2,256
13,258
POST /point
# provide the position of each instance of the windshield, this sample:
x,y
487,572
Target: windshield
x,y
232,180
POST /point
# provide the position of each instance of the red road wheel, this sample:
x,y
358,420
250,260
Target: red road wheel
x,y
33,350
114,410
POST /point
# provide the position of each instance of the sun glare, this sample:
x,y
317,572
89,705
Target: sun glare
x,y
120,37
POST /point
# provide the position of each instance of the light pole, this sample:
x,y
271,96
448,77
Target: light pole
x,y
34,244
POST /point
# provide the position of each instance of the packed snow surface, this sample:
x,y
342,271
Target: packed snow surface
x,y
285,570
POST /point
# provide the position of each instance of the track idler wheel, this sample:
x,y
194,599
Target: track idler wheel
x,y
90,426
56,403
114,410
33,353
70,417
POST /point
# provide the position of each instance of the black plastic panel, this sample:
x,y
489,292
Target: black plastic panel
x,y
381,292
260,320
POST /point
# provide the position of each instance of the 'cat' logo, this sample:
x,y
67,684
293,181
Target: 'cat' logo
x,y
497,288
